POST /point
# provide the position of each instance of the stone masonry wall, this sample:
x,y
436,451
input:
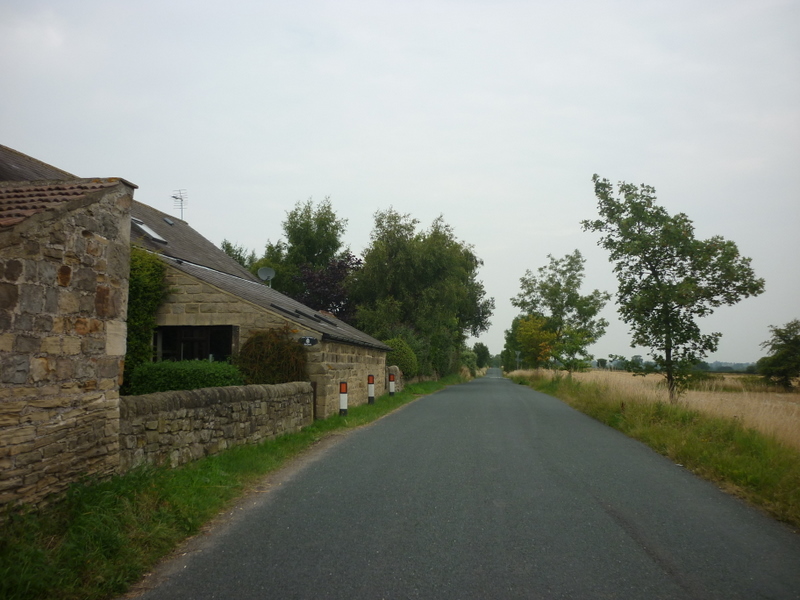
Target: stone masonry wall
x,y
331,363
63,303
194,302
177,427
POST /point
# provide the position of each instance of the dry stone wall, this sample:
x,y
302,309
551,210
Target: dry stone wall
x,y
177,427
63,300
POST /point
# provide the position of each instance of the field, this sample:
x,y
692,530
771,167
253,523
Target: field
x,y
738,397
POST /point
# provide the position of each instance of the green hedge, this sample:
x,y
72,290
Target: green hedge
x,y
402,356
165,376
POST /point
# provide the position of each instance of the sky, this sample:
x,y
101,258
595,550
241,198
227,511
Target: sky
x,y
494,114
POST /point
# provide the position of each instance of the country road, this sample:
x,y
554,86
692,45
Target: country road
x,y
488,490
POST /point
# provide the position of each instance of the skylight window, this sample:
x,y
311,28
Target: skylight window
x,y
147,231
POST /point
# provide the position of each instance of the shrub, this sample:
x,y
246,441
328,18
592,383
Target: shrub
x,y
403,356
470,360
165,376
271,357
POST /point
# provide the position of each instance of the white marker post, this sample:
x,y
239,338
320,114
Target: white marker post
x,y
391,384
343,398
370,389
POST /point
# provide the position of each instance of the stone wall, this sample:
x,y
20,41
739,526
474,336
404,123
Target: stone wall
x,y
63,300
177,427
331,363
197,303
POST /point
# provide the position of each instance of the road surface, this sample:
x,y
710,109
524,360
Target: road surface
x,y
488,490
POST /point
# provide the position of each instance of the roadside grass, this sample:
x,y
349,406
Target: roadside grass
x,y
750,464
105,535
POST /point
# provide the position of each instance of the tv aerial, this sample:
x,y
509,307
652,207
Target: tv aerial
x,y
266,274
181,199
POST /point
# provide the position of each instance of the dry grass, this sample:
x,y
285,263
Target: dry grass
x,y
772,413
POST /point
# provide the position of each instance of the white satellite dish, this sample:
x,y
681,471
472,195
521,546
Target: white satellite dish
x,y
266,274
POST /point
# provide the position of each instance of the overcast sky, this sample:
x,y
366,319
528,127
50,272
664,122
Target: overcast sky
x,y
494,114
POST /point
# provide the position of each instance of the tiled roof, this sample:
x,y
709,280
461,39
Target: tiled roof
x,y
176,239
328,326
16,166
22,199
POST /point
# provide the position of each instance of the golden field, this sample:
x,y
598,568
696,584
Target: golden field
x,y
770,412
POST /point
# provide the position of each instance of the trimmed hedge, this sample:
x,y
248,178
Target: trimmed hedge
x,y
402,356
167,376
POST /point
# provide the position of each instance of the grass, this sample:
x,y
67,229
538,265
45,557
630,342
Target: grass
x,y
105,535
757,466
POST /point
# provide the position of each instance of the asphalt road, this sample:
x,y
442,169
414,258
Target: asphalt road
x,y
489,490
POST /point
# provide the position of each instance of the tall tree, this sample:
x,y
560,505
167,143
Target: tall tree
x,y
484,357
554,294
421,285
312,254
782,364
535,341
667,278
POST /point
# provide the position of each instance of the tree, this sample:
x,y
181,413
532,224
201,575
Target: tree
x,y
311,262
325,288
535,341
554,295
423,286
667,278
782,365
240,254
482,353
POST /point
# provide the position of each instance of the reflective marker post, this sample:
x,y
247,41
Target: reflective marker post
x,y
391,384
343,398
371,389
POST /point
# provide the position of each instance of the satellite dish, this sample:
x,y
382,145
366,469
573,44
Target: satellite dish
x,y
266,274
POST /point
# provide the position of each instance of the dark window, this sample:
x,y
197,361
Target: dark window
x,y
213,342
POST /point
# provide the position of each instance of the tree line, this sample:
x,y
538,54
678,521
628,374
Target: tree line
x,y
418,285
667,280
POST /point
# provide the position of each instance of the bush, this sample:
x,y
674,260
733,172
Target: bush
x,y
271,357
166,376
403,356
470,360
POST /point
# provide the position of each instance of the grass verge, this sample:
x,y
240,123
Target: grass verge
x,y
104,535
742,461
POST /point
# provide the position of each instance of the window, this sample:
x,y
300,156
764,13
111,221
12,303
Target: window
x,y
213,342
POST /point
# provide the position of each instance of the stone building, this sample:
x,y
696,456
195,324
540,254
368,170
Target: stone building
x,y
64,264
215,305
64,260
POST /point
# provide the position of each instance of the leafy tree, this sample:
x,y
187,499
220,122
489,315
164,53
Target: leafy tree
x,y
667,278
240,254
782,365
423,283
554,294
311,263
325,288
602,363
470,360
535,341
482,354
